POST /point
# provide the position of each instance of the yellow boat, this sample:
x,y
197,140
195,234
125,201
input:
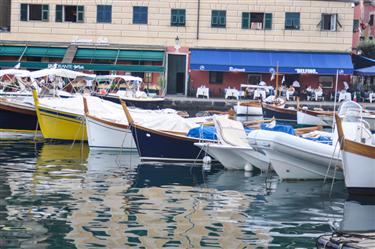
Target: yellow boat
x,y
61,125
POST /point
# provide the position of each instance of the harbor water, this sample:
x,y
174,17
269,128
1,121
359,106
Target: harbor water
x,y
66,196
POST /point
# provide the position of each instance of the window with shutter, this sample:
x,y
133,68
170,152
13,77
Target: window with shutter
x,y
59,13
45,13
24,12
178,17
245,20
292,20
268,21
80,13
218,18
140,15
104,13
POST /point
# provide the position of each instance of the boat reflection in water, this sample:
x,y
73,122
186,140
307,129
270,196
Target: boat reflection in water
x,y
359,215
69,197
357,227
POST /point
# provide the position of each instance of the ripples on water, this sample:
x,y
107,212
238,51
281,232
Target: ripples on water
x,y
64,196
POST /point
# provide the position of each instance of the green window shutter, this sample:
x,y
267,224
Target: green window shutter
x,y
223,19
268,21
245,20
355,26
59,9
45,10
24,12
80,13
322,22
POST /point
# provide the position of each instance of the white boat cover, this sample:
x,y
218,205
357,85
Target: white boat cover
x,y
230,132
156,119
59,72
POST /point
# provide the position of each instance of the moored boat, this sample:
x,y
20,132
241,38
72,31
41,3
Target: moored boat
x,y
17,117
293,157
127,89
164,146
358,152
281,114
107,133
233,151
248,108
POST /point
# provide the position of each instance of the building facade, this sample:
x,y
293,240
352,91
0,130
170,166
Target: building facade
x,y
172,40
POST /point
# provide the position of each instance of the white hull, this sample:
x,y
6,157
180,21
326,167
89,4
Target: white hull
x,y
257,159
308,119
104,136
225,155
293,157
359,171
248,110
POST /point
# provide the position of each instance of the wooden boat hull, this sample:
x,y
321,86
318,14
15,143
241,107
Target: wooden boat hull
x,y
150,103
103,134
280,114
61,125
153,145
17,118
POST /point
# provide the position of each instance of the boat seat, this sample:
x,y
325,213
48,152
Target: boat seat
x,y
230,132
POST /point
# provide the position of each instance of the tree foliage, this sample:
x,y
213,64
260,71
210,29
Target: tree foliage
x,y
367,48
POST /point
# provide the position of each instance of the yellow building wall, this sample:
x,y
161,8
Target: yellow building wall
x,y
159,32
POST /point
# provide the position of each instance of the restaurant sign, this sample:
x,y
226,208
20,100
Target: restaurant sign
x,y
235,69
67,66
306,71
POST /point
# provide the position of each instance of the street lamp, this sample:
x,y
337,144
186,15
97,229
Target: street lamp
x,y
177,43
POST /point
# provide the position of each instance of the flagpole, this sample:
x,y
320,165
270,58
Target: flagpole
x,y
334,103
277,79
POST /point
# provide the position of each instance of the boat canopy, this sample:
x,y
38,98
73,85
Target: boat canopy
x,y
13,71
114,76
59,72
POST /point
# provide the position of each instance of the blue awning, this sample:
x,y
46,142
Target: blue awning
x,y
266,61
367,71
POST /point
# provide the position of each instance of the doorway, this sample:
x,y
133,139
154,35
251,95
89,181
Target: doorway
x,y
176,83
180,83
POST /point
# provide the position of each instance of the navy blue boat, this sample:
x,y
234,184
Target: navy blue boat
x,y
149,103
17,118
280,114
164,146
154,145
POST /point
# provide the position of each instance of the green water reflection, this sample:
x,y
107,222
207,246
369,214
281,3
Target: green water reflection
x,y
64,196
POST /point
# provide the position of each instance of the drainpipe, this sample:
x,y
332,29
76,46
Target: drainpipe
x,y
198,17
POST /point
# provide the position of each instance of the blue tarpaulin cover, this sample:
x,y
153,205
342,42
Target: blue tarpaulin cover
x,y
320,139
279,128
203,132
266,61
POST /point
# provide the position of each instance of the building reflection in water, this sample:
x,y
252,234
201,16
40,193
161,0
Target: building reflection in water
x,y
81,198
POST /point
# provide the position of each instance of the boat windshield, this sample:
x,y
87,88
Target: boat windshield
x,y
350,111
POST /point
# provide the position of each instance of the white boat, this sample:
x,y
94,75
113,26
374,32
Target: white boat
x,y
110,130
128,89
248,108
233,151
309,117
358,151
293,157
